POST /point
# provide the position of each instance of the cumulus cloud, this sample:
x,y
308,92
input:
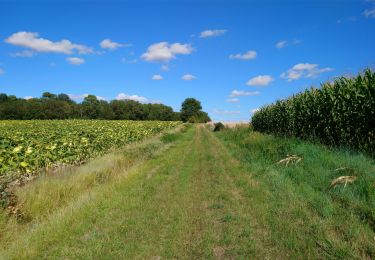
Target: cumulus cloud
x,y
245,56
157,77
140,99
226,112
261,80
24,54
211,33
32,41
304,70
164,52
28,97
2,71
369,13
111,45
283,44
232,100
75,60
188,77
240,93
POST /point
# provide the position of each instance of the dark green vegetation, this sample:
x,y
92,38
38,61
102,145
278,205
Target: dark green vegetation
x,y
219,126
191,111
51,106
193,194
341,113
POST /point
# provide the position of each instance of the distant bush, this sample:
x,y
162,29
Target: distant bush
x,y
341,113
218,126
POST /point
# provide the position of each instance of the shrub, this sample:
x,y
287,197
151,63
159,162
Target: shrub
x,y
218,126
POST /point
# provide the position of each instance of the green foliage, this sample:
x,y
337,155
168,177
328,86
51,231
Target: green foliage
x,y
191,111
51,106
218,126
341,113
27,146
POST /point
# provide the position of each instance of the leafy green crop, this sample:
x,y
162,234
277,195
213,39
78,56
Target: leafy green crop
x,y
341,113
27,146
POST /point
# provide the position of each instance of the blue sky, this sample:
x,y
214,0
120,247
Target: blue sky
x,y
234,56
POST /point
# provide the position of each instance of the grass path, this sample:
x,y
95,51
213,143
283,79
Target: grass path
x,y
196,200
181,204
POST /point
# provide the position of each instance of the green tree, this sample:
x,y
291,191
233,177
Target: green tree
x,y
90,107
3,97
189,108
191,111
48,95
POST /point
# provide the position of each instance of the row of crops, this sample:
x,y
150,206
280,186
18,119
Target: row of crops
x,y
26,146
340,113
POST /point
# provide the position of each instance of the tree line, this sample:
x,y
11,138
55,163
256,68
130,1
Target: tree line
x,y
61,106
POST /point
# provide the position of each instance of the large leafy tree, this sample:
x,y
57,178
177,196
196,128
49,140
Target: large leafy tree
x,y
90,107
191,111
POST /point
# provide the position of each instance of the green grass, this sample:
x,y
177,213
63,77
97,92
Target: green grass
x,y
193,194
303,214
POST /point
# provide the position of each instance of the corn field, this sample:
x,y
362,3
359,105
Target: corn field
x,y
340,113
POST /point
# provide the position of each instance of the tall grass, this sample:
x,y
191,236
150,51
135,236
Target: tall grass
x,y
303,212
341,113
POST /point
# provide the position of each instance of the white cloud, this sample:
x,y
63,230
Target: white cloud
x,y
284,43
2,71
369,13
188,77
240,93
140,99
226,112
232,100
281,44
253,111
111,45
33,41
246,56
304,70
28,97
261,80
157,77
78,97
24,54
211,33
164,52
75,60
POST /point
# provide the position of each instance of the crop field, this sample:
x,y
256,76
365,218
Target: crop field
x,y
27,146
340,113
